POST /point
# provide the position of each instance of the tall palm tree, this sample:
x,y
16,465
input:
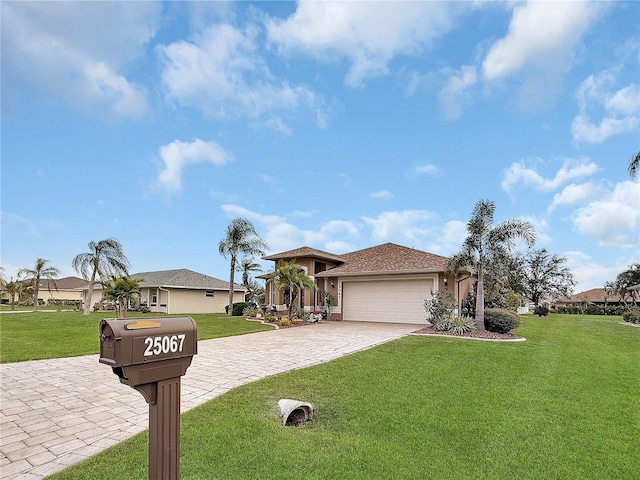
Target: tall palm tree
x,y
14,288
634,165
104,259
241,237
289,275
38,272
487,243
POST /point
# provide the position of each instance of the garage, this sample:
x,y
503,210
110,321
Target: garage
x,y
396,301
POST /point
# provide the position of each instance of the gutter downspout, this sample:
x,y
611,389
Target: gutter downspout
x,y
458,293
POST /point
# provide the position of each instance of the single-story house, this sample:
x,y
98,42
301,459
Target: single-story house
x,y
180,291
595,296
386,283
58,291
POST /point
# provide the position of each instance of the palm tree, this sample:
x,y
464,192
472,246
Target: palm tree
x,y
487,243
122,291
103,260
634,165
247,265
291,276
39,271
242,238
14,288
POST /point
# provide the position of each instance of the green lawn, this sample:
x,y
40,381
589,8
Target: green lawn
x,y
41,335
562,405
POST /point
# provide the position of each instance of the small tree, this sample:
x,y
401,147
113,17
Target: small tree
x,y
290,276
248,265
440,308
38,272
241,237
15,288
122,291
623,282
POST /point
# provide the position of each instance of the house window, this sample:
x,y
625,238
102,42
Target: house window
x,y
209,293
154,298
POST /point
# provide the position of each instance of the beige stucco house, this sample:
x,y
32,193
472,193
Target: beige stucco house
x,y
181,291
59,291
386,283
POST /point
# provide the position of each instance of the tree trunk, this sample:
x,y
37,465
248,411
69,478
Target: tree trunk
x,y
231,277
87,301
480,305
36,291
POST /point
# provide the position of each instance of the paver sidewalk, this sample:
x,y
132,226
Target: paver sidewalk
x,y
50,419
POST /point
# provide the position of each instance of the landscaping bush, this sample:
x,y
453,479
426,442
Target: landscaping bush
x,y
541,310
284,322
298,312
460,325
500,320
238,308
440,309
251,311
632,316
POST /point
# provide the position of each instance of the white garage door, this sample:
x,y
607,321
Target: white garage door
x,y
398,301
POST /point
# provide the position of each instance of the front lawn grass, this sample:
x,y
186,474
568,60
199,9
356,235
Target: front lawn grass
x,y
563,404
42,335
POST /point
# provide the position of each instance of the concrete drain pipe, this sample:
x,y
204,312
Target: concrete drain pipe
x,y
295,413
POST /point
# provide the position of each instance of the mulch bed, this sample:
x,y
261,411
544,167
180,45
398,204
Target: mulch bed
x,y
478,334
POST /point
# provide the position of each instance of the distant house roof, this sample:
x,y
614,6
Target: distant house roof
x,y
183,278
305,252
66,283
595,295
387,258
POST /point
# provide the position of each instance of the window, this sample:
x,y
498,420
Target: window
x,y
154,298
209,293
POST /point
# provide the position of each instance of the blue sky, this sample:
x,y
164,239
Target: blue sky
x,y
338,126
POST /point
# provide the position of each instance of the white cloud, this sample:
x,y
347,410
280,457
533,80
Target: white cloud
x,y
426,169
541,34
221,73
407,225
613,219
618,110
381,195
178,154
589,274
368,34
519,174
574,194
80,51
455,93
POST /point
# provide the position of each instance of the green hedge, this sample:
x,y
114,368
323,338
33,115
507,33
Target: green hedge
x,y
500,320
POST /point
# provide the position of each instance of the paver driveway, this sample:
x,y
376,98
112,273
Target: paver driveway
x,y
50,418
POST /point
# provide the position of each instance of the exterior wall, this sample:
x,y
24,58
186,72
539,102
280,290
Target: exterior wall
x,y
59,295
195,301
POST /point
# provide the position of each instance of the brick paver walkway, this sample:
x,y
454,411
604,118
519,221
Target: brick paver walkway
x,y
51,418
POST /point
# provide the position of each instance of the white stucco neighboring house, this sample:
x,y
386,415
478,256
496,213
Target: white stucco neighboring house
x,y
180,291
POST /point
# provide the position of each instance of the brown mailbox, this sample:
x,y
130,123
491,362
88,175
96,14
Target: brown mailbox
x,y
143,351
150,355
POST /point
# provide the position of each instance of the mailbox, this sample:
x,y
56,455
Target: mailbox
x,y
143,351
150,355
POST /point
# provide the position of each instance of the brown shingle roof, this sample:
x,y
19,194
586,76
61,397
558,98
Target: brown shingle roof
x,y
305,252
387,258
593,295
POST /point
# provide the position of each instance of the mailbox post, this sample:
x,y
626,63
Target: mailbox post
x,y
151,355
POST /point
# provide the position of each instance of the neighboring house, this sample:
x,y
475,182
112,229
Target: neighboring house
x,y
180,291
386,283
595,296
63,291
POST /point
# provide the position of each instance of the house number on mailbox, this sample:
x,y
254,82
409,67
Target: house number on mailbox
x,y
164,344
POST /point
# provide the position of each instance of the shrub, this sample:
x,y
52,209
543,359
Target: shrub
x,y
541,310
632,316
500,320
460,325
238,308
270,318
298,312
251,311
440,309
284,322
